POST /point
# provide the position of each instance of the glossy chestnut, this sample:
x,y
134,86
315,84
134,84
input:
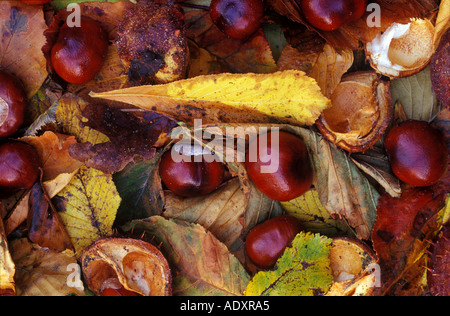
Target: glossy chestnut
x,y
188,177
288,173
19,167
329,15
118,292
267,241
13,104
237,18
79,52
417,152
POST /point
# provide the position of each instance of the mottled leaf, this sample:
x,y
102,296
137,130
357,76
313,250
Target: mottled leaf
x,y
88,206
303,270
202,265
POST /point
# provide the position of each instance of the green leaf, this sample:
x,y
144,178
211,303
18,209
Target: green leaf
x,y
416,95
303,270
203,266
139,186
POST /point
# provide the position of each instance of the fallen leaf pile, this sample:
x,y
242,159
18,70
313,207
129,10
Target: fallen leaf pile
x,y
100,144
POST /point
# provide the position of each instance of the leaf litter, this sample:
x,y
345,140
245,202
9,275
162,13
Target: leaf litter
x,y
102,151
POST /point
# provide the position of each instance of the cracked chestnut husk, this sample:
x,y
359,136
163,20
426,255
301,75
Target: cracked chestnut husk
x,y
361,112
132,264
403,49
152,43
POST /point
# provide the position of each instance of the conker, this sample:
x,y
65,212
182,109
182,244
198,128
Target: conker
x,y
328,15
267,241
292,175
79,52
118,292
189,178
12,104
36,2
417,152
237,18
19,167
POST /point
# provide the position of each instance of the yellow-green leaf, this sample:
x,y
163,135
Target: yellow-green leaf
x,y
88,207
314,216
303,270
288,96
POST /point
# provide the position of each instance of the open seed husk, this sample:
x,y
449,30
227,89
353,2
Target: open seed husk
x,y
136,265
403,49
352,263
360,113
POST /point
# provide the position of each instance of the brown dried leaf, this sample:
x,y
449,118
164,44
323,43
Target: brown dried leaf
x,y
45,226
126,144
53,152
326,66
42,272
22,30
252,55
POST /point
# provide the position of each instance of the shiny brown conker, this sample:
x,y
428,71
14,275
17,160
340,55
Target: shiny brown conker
x,y
289,174
188,177
266,242
417,152
237,18
327,15
13,104
19,167
79,51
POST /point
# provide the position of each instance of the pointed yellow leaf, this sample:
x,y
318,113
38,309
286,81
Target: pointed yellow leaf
x,y
288,96
88,207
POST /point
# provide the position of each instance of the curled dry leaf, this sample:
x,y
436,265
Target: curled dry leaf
x,y
45,226
22,31
138,266
288,96
53,150
327,67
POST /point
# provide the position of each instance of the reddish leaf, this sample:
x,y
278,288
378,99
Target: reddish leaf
x,y
401,232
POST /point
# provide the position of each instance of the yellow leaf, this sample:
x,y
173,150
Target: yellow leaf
x,y
442,21
314,216
88,207
288,96
7,267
